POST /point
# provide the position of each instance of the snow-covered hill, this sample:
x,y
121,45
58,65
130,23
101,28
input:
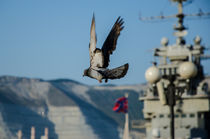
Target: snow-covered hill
x,y
68,108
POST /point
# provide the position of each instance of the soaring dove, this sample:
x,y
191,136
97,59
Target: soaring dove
x,y
99,58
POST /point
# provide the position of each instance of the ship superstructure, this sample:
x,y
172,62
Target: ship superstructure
x,y
177,101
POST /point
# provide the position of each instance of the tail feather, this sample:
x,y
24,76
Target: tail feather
x,y
116,73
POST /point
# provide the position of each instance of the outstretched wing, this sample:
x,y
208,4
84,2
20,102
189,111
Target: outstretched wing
x,y
116,73
111,41
93,39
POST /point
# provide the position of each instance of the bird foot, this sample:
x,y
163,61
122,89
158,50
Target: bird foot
x,y
99,81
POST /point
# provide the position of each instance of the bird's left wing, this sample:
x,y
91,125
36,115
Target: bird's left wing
x,y
93,39
111,41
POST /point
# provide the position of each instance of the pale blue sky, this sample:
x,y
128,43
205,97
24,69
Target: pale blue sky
x,y
49,39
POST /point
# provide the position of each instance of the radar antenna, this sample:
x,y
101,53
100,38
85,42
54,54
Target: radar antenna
x,y
180,28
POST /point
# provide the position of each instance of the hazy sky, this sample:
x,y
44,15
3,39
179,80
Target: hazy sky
x,y
49,39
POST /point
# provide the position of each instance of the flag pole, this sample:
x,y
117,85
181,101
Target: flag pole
x,y
126,128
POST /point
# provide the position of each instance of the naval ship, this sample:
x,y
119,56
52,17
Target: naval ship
x,y
177,101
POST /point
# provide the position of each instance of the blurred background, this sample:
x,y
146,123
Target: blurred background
x,y
49,39
44,50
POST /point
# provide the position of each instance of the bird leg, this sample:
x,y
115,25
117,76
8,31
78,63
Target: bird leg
x,y
99,81
106,80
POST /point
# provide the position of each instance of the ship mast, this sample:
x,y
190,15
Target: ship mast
x,y
181,32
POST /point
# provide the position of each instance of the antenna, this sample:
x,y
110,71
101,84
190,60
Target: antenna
x,y
180,29
200,13
180,15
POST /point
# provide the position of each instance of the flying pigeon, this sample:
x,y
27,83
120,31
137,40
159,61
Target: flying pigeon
x,y
99,58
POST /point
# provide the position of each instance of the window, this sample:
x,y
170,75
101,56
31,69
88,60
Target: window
x,y
183,115
161,116
192,115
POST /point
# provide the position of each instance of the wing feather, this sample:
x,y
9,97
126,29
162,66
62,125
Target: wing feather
x,y
93,39
111,41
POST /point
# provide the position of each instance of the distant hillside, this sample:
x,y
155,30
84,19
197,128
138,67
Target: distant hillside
x,y
68,108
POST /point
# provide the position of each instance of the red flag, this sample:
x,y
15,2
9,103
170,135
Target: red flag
x,y
121,105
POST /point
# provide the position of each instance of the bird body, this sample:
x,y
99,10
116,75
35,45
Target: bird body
x,y
99,58
95,74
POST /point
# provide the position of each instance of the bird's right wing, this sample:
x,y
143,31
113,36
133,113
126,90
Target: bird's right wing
x,y
111,41
93,39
